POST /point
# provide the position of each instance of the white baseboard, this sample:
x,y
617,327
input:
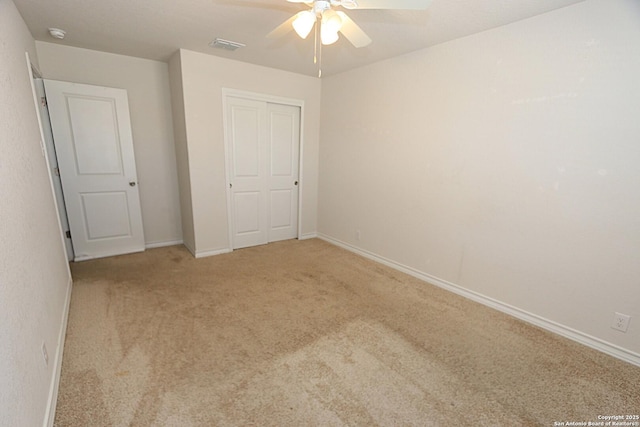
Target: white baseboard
x,y
162,244
307,236
557,328
203,254
50,413
80,257
189,248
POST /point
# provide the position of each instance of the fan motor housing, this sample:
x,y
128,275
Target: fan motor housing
x,y
320,6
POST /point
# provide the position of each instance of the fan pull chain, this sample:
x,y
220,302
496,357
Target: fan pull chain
x,y
315,44
317,47
320,59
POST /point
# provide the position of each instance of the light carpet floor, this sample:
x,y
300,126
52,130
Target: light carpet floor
x,y
302,333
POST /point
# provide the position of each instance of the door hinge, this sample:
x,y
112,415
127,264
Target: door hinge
x,y
68,234
43,101
56,171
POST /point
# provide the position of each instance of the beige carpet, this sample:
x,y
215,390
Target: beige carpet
x,y
307,334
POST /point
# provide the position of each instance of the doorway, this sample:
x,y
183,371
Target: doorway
x,y
91,132
262,144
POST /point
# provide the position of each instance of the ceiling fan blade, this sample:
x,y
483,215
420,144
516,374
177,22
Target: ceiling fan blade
x,y
282,29
390,4
352,31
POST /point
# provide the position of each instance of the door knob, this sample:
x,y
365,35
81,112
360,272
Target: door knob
x,y
295,183
132,184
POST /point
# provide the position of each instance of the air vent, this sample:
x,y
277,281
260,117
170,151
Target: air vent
x,y
226,44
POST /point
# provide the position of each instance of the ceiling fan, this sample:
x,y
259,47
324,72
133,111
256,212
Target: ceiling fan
x,y
330,22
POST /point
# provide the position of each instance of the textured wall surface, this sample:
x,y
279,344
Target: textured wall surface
x,y
505,162
182,155
34,275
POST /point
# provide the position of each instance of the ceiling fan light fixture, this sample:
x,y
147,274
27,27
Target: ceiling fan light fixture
x,y
328,37
331,24
331,21
304,23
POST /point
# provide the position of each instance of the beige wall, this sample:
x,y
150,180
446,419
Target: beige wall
x,y
182,155
506,163
34,276
203,78
147,85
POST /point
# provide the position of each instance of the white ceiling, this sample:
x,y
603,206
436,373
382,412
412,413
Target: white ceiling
x,y
155,29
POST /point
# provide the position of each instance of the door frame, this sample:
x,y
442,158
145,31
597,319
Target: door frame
x,y
54,171
272,99
48,150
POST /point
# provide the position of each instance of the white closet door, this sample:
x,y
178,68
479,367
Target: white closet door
x,y
248,171
263,143
284,146
94,146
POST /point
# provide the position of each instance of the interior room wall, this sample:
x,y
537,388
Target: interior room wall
x,y
182,155
203,78
503,164
34,276
147,85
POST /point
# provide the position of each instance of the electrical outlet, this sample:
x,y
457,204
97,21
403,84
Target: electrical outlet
x,y
45,355
621,322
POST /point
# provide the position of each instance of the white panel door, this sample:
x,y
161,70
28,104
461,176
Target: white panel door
x,y
263,143
283,146
248,171
94,146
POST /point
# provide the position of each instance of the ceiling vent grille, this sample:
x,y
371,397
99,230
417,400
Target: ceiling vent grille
x,y
226,44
